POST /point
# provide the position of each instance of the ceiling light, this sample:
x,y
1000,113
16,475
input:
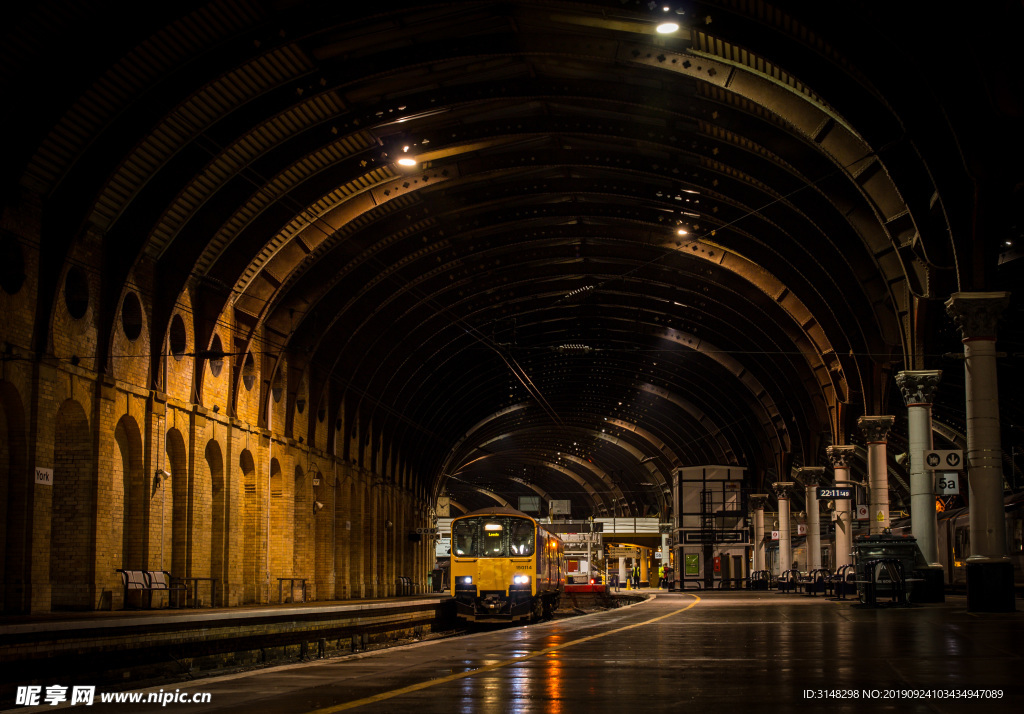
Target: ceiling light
x,y
667,28
682,232
406,161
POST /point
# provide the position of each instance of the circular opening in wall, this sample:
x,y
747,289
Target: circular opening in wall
x,y
177,338
76,293
12,265
249,372
216,359
131,316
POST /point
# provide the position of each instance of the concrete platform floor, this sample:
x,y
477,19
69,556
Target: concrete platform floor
x,y
693,652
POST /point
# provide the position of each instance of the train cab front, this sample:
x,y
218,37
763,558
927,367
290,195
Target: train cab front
x,y
493,566
483,602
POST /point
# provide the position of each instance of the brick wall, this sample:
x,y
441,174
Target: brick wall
x,y
107,429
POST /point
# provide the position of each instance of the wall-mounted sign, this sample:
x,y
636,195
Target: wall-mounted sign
x,y
775,535
827,493
443,548
947,483
937,460
801,529
44,476
862,513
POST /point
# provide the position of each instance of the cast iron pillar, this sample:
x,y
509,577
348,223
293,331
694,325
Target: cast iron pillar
x,y
989,570
841,457
876,433
811,477
757,501
918,389
781,489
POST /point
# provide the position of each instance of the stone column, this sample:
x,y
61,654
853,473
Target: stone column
x,y
644,576
876,432
918,389
758,501
781,489
811,477
989,570
622,572
841,457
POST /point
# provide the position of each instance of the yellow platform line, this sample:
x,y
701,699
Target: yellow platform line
x,y
383,696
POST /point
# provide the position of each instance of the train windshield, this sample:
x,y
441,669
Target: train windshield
x,y
492,537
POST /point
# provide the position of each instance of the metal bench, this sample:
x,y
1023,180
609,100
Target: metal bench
x,y
148,582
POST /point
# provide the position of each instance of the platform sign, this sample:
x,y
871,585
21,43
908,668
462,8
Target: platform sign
x,y
938,460
948,483
44,476
829,493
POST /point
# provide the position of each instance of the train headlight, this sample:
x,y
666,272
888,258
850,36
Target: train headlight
x,y
521,579
468,580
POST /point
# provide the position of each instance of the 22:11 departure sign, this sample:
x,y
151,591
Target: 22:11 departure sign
x,y
825,493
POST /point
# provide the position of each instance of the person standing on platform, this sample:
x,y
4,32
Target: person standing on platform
x,y
636,575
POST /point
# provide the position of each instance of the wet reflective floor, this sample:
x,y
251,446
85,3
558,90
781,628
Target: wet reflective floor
x,y
694,652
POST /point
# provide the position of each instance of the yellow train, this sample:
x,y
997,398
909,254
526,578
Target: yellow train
x,y
505,566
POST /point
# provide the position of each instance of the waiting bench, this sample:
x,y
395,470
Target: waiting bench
x,y
148,582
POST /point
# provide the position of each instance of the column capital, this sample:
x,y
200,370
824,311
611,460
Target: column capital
x,y
976,314
781,489
757,501
876,428
841,457
919,386
810,475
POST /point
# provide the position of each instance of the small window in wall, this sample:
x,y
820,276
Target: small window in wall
x,y
216,358
249,372
12,265
76,293
131,316
177,338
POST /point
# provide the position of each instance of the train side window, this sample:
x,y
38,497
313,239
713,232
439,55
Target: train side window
x,y
521,537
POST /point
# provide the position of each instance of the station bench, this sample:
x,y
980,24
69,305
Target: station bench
x,y
148,582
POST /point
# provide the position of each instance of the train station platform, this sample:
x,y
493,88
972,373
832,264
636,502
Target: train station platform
x,y
167,644
691,651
